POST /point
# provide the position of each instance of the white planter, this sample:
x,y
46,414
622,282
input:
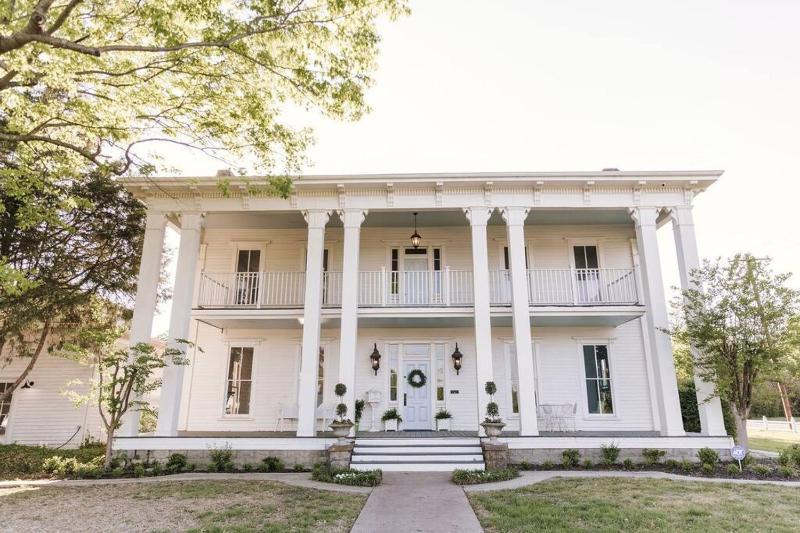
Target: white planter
x,y
443,424
390,425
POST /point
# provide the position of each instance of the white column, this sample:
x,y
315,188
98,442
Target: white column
x,y
312,313
515,226
352,219
657,321
708,403
169,406
146,296
478,217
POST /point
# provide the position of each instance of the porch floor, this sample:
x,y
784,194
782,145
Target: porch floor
x,y
414,434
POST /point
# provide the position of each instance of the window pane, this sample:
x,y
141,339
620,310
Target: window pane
x,y
580,256
512,361
321,377
589,362
506,263
242,261
592,396
602,362
255,258
437,259
591,256
606,406
393,349
5,406
240,372
439,350
598,379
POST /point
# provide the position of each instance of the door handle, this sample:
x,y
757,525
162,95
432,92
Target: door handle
x,y
405,397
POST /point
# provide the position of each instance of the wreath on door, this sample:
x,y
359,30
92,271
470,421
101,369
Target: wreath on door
x,y
416,378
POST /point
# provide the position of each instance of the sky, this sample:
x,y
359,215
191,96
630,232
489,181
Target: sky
x,y
577,85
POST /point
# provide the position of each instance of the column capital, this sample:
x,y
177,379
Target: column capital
x,y
352,218
155,219
681,215
316,218
479,215
644,216
515,215
191,220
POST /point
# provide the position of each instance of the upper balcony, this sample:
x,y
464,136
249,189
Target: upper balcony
x,y
444,288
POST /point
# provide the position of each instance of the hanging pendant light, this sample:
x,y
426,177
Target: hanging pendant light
x,y
415,238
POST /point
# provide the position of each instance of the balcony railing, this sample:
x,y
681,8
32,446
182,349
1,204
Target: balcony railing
x,y
448,288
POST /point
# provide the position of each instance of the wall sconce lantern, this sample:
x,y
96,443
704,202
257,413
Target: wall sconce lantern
x,y
375,357
457,355
415,238
27,385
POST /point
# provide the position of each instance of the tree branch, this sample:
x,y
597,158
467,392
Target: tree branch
x,y
35,357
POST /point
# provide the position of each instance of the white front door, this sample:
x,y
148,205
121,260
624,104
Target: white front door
x,y
417,400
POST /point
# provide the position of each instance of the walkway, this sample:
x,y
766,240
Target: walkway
x,y
418,502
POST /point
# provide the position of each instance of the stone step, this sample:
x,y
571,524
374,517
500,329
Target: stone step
x,y
418,467
374,450
425,458
429,441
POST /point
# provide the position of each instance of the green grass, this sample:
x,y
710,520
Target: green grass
x,y
207,506
18,461
614,504
771,441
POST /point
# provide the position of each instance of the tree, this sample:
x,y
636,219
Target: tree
x,y
738,316
124,375
90,82
61,246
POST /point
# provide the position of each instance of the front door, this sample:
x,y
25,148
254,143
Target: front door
x,y
417,400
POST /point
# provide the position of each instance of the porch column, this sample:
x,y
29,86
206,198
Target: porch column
x,y
708,403
169,406
657,321
309,358
515,226
478,217
146,296
352,219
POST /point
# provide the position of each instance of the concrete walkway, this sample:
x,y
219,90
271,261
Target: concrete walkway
x,y
417,501
298,480
533,477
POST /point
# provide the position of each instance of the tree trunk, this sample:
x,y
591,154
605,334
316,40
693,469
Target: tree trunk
x,y
109,451
740,421
4,396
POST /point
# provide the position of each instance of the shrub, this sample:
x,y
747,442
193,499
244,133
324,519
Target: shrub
x,y
687,466
391,414
359,408
327,474
157,469
588,464
340,389
474,477
707,468
271,464
247,467
708,456
191,467
761,470
490,388
547,465
299,468
732,469
787,471
176,463
138,470
524,465
443,414
221,460
610,453
20,461
653,456
628,464
570,458
790,456
60,466
672,464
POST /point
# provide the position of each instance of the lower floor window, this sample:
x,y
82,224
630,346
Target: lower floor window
x,y
240,381
598,379
5,406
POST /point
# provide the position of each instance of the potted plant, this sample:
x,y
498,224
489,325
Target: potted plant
x,y
493,425
443,417
391,419
359,411
341,426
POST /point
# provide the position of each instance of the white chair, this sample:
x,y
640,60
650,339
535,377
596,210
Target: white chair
x,y
565,416
285,412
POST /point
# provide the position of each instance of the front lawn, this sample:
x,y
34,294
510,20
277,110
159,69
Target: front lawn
x,y
179,506
771,441
617,504
18,461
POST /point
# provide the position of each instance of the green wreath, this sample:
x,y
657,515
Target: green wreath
x,y
416,378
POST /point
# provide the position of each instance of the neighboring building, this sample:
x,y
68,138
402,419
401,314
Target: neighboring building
x,y
550,284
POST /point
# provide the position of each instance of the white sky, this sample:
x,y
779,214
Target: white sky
x,y
581,85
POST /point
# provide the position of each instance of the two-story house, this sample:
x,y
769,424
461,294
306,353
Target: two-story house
x,y
414,290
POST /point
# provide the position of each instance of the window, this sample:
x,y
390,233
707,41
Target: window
x,y
439,352
5,407
507,259
512,361
395,281
320,376
247,267
240,381
325,278
598,379
393,349
585,257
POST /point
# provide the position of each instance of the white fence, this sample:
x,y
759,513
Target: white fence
x,y
420,288
774,425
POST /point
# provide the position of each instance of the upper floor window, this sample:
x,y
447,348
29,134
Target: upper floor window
x,y
248,263
585,256
240,380
507,259
5,407
598,379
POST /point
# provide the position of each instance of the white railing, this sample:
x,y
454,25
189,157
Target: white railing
x,y
447,287
774,425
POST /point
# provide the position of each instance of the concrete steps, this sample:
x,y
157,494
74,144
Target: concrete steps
x,y
435,454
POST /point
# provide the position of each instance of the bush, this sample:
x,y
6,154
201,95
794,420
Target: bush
x,y
653,456
271,464
628,464
176,463
60,466
672,464
157,469
359,407
247,467
790,456
299,468
588,464
787,471
547,465
761,470
707,468
443,414
708,456
19,461
733,470
690,414
474,477
138,470
327,474
391,414
610,453
687,466
570,458
524,465
221,460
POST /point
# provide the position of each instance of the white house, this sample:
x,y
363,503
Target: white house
x,y
548,283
